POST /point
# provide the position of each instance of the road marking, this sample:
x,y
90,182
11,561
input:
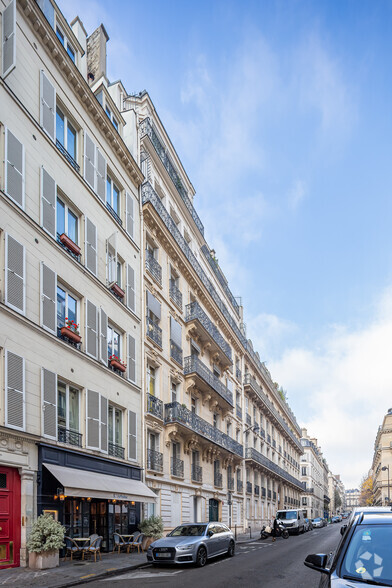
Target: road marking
x,y
141,575
88,576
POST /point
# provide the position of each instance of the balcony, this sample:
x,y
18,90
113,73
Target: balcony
x,y
175,294
206,380
116,450
176,352
155,406
176,413
154,460
153,267
197,473
257,490
239,485
177,467
218,480
252,454
230,484
154,332
208,332
238,411
67,155
249,487
221,278
68,436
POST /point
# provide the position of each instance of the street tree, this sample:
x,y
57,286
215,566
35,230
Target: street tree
x,y
366,496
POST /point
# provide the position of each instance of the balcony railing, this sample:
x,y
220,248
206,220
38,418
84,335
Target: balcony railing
x,y
239,485
64,338
153,267
116,450
249,487
195,312
70,437
177,467
114,214
238,374
238,411
230,483
175,352
154,406
251,453
197,473
154,332
154,460
67,155
175,294
67,249
221,278
218,480
176,413
257,490
193,365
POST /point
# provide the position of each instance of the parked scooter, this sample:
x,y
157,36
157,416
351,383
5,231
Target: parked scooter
x,y
281,531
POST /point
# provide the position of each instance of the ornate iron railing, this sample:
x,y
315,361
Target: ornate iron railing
x,y
238,411
218,480
153,267
176,413
195,312
230,483
67,155
239,485
175,293
249,487
70,437
116,450
175,352
257,490
197,473
194,365
221,279
154,332
154,406
154,460
114,214
177,467
251,453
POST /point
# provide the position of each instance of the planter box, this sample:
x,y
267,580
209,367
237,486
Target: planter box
x,y
117,290
70,334
70,244
44,560
117,365
147,542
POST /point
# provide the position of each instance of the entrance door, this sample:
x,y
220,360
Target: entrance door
x,y
9,518
213,509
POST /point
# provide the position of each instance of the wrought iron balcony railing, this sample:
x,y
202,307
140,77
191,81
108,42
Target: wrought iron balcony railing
x,y
230,483
251,453
249,487
176,413
197,473
239,485
154,406
67,155
175,294
218,480
154,460
114,214
175,352
68,436
154,332
238,411
116,450
177,467
193,365
221,278
195,312
67,249
153,267
257,490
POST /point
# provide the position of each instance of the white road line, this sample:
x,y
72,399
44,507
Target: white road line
x,y
141,575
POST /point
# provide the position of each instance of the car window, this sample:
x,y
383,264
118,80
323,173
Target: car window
x,y
286,515
225,529
188,531
368,555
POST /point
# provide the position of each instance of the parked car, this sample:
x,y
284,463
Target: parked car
x,y
363,555
308,525
193,543
318,522
292,519
336,520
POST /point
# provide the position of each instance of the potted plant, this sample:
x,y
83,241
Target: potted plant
x,y
117,363
71,331
152,529
69,244
46,538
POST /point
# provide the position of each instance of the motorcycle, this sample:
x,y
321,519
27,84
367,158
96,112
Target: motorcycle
x,y
281,531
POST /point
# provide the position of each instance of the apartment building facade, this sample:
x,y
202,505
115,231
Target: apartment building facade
x,y
352,498
312,477
382,462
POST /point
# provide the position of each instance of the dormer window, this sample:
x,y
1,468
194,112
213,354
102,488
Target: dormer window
x,y
111,117
64,41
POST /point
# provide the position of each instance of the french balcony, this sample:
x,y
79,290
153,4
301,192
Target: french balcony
x,y
239,485
176,352
238,411
218,480
153,267
197,473
206,380
249,487
114,214
209,334
68,436
67,155
68,335
116,450
179,414
154,332
175,294
69,246
230,484
257,490
253,455
177,467
155,406
154,460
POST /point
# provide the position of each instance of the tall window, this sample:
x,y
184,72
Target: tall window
x,y
67,406
67,221
111,117
114,269
173,392
151,380
115,425
114,342
193,405
65,133
112,195
67,307
215,420
64,41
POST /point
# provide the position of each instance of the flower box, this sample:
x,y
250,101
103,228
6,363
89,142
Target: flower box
x,y
44,560
70,334
70,244
118,365
115,288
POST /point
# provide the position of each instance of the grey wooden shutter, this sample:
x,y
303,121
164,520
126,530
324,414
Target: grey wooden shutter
x,y
14,169
131,288
91,246
9,38
131,358
89,161
15,391
129,215
15,287
132,435
48,299
48,203
48,106
101,176
91,329
154,305
49,404
93,420
103,339
104,424
175,332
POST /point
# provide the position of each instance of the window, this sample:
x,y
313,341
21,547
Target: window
x,y
151,380
215,420
193,405
67,307
112,195
66,134
303,473
66,220
114,342
173,392
67,408
228,429
64,41
111,117
115,425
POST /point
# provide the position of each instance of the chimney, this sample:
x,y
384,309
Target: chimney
x,y
96,54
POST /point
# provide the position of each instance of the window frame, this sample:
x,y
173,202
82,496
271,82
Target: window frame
x,y
67,209
110,180
115,409
113,330
67,406
65,43
68,293
68,121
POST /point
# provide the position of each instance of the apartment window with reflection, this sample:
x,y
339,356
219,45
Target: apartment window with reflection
x,y
115,425
112,195
173,392
111,117
67,221
66,134
67,308
114,342
68,414
64,41
151,380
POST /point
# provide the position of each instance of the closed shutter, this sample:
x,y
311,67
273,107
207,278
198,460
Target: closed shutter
x,y
131,288
101,176
175,332
48,203
91,246
14,391
15,287
132,432
91,329
49,403
104,424
154,305
103,339
48,299
9,38
131,358
89,161
48,106
14,169
93,421
129,215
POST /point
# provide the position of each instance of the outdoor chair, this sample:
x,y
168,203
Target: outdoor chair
x,y
71,547
93,537
120,542
94,547
137,542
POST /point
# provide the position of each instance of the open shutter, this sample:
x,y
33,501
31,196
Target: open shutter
x,y
14,391
91,329
9,38
49,404
131,358
93,421
14,169
48,203
111,258
132,432
48,106
101,176
48,299
131,288
15,287
129,215
104,424
103,339
89,161
91,246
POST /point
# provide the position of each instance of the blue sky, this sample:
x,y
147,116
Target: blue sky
x,y
281,114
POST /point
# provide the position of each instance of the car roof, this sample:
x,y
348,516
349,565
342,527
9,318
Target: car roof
x,y
376,518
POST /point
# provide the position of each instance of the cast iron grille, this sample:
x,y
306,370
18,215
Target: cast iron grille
x,y
197,473
194,311
154,406
175,352
154,460
153,267
193,365
177,467
154,332
3,480
175,294
116,450
67,155
70,437
114,214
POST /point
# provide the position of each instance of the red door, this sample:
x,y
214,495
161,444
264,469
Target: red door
x,y
9,518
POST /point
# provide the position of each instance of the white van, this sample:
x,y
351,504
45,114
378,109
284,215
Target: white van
x,y
292,519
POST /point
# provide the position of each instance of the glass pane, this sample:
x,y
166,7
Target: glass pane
x,y
108,190
116,199
60,126
60,35
118,427
119,273
60,307
72,306
115,124
71,141
107,109
110,341
61,404
73,409
116,344
71,52
60,217
110,423
73,227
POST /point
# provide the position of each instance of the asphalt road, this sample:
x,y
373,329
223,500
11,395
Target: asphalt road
x,y
258,563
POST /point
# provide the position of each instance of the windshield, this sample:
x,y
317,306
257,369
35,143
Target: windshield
x,y
368,555
287,516
316,520
188,531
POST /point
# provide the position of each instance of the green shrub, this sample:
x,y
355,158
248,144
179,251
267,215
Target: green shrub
x,y
46,534
152,527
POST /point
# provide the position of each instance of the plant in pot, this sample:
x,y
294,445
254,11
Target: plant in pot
x,y
117,363
45,540
152,529
71,331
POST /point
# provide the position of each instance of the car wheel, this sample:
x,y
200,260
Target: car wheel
x,y
285,534
201,557
231,550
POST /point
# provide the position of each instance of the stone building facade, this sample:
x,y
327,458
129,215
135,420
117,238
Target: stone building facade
x,y
312,477
382,462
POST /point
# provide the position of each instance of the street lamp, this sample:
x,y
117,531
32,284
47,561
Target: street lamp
x,y
383,469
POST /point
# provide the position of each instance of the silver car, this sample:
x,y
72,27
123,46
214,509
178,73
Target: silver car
x,y
193,543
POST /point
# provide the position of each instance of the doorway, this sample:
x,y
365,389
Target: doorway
x,y
213,509
9,518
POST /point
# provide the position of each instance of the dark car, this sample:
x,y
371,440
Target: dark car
x,y
363,556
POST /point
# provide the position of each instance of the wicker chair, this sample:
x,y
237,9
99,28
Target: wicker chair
x,y
71,547
120,542
137,542
94,547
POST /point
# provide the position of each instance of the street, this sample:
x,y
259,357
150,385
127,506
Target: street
x,y
257,563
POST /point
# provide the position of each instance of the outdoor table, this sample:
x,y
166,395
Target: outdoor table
x,y
85,540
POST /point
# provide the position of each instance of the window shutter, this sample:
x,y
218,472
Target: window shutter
x,y
131,288
9,38
104,337
101,176
129,215
175,332
91,246
154,305
131,358
14,391
15,287
49,403
14,169
93,422
104,424
89,161
132,445
48,106
91,329
48,299
48,203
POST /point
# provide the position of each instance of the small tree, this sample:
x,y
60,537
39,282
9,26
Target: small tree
x,y
46,534
366,496
152,527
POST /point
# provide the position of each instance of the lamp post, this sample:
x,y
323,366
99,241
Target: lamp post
x,y
384,469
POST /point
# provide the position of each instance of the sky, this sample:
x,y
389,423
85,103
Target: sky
x,y
281,114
